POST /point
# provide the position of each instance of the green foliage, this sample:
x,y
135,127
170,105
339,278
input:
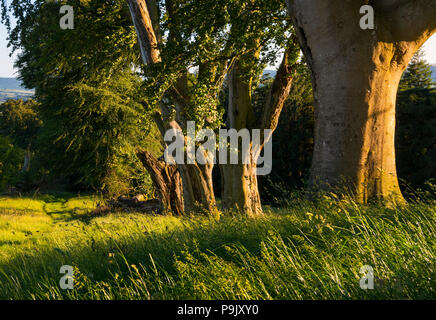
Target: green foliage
x,y
89,92
418,74
416,136
206,37
11,161
19,121
304,251
292,140
125,174
416,123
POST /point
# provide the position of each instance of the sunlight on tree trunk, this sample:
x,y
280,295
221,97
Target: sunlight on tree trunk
x,y
166,180
196,179
355,75
198,187
239,189
239,181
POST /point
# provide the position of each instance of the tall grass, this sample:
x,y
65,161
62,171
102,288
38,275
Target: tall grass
x,y
309,250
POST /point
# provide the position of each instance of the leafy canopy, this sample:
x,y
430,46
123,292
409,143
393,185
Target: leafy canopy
x,y
87,84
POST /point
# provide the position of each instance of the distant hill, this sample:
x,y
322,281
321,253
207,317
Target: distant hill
x,y
11,84
269,73
11,88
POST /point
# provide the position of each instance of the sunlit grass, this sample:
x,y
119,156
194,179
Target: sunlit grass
x,y
310,250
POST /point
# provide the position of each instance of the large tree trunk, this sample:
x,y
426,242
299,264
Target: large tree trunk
x,y
181,188
198,187
166,180
239,181
239,189
354,131
355,76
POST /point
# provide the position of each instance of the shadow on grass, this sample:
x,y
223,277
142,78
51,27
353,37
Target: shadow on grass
x,y
98,258
234,258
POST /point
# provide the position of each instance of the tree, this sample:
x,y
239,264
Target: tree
x,y
19,121
89,92
355,76
418,74
239,181
295,131
10,163
226,39
416,135
416,116
166,63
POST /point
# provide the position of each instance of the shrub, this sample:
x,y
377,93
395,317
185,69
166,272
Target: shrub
x,y
11,159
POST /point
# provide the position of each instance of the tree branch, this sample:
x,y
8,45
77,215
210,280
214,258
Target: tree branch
x,y
145,31
281,86
145,16
405,20
181,85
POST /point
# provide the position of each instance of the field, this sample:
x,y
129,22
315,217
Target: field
x,y
310,250
6,94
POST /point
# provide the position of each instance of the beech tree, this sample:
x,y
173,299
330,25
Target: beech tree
x,y
239,181
165,54
355,75
88,93
228,42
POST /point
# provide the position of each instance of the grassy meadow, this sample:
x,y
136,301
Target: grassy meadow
x,y
308,250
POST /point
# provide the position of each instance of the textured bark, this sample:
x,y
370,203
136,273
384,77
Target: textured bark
x,y
166,180
355,75
196,179
281,87
240,189
142,15
198,187
239,181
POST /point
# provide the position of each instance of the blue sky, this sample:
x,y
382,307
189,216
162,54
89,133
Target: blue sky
x,y
7,69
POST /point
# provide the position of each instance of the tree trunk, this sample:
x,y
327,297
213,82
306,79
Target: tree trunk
x,y
198,191
181,188
355,76
354,131
26,163
196,179
166,180
240,189
239,181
